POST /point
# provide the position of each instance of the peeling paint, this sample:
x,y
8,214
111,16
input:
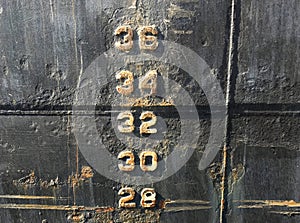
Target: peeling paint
x,y
175,11
183,32
145,102
32,180
138,215
86,172
238,173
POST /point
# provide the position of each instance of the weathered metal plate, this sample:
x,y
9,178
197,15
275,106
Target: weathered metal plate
x,y
45,47
251,49
268,47
264,176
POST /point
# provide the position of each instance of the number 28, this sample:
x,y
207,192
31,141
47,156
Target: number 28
x,y
148,198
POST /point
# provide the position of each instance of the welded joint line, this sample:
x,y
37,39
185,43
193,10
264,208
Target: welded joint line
x,y
229,100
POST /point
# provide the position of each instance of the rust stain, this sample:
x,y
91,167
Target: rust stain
x,y
145,102
186,205
222,185
55,207
187,202
162,204
52,183
188,208
32,180
29,179
104,209
290,203
31,197
76,179
86,172
214,172
77,159
267,203
76,217
138,215
238,173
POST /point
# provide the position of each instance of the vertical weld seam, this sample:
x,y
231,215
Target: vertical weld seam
x,y
68,151
75,32
228,114
77,160
76,58
229,65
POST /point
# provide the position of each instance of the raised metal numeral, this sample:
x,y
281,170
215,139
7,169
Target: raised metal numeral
x,y
127,86
148,38
148,198
149,81
125,38
130,161
128,125
143,158
128,155
130,197
144,128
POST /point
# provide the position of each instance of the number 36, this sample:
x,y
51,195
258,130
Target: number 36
x,y
147,38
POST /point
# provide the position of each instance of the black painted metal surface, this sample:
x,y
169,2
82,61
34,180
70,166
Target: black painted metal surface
x,y
252,47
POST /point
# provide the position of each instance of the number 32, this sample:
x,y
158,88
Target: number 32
x,y
128,126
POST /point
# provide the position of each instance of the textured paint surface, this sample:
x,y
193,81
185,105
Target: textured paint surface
x,y
251,46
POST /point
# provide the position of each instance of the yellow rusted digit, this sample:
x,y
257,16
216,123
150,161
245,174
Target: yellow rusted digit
x,y
130,197
125,38
148,198
144,128
143,164
148,38
128,125
128,155
127,86
130,159
149,81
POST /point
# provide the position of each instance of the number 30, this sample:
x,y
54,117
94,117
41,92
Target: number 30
x,y
128,155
